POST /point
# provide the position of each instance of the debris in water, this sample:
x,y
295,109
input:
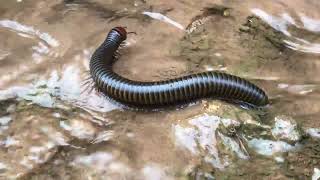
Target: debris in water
x,y
164,18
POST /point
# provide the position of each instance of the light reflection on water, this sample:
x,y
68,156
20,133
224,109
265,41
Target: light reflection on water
x,y
29,32
283,22
66,88
45,58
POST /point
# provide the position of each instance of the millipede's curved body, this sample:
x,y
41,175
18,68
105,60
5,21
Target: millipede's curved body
x,y
168,92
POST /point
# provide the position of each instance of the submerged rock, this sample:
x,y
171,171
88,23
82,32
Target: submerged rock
x,y
28,147
300,163
5,120
224,135
100,163
221,137
287,129
211,137
314,132
269,147
155,172
33,136
79,128
57,90
316,174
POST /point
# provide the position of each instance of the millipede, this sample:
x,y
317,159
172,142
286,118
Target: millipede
x,y
185,89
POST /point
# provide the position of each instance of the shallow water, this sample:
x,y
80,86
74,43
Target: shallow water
x,y
54,127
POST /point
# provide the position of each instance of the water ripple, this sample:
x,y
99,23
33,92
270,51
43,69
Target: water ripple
x,y
28,31
284,21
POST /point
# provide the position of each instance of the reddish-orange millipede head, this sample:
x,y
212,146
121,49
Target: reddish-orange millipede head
x,y
122,31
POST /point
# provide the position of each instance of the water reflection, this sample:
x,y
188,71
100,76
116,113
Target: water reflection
x,y
282,23
44,58
278,23
298,89
316,174
29,32
42,46
102,164
67,87
155,172
310,23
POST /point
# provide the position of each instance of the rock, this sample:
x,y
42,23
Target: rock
x,y
221,133
203,137
33,141
316,174
244,29
5,120
23,153
79,128
103,136
153,171
11,108
282,137
52,91
279,159
314,132
285,128
269,147
101,164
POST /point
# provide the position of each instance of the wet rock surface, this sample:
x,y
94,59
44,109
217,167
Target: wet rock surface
x,y
53,128
300,164
254,42
31,135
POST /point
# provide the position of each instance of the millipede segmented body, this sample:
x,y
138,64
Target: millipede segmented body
x,y
167,92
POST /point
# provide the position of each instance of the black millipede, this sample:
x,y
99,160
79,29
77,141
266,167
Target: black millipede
x,y
167,92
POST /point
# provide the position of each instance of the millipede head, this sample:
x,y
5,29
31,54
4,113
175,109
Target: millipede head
x,y
122,31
